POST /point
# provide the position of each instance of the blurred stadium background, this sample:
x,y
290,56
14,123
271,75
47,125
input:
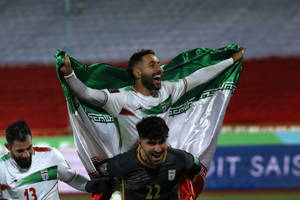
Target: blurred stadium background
x,y
259,146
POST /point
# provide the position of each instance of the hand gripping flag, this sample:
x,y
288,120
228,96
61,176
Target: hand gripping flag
x,y
195,120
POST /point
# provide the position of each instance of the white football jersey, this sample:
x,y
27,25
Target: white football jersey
x,y
40,181
128,107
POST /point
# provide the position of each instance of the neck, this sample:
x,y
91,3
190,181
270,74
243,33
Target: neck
x,y
142,155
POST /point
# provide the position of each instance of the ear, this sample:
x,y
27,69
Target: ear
x,y
137,73
139,142
8,146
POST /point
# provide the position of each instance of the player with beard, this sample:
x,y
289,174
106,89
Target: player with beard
x,y
148,96
29,172
152,170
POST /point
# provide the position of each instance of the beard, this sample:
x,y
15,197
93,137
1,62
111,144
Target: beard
x,y
24,163
148,82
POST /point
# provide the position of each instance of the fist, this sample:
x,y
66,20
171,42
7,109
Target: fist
x,y
66,68
238,55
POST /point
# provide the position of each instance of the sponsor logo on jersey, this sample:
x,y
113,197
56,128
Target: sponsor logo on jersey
x,y
171,174
44,174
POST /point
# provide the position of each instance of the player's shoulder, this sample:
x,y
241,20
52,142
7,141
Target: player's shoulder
x,y
118,93
4,158
171,85
171,82
49,153
3,164
122,164
126,156
123,159
42,149
178,153
122,90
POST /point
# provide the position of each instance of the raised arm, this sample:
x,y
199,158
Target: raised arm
x,y
90,95
208,73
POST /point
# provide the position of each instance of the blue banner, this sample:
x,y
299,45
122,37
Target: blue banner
x,y
255,167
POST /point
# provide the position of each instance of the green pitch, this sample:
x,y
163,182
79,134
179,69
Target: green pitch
x,y
226,197
225,139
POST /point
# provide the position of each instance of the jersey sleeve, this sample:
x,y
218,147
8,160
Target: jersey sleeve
x,y
192,164
66,174
206,74
93,96
64,171
116,166
176,88
114,102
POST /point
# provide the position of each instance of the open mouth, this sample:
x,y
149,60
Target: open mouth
x,y
157,78
156,156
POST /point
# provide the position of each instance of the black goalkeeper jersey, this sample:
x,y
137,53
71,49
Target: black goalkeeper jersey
x,y
141,181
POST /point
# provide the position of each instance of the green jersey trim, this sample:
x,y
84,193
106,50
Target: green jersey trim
x,y
5,157
160,108
39,176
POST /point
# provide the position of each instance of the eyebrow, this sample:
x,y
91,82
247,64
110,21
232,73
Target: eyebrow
x,y
21,150
153,62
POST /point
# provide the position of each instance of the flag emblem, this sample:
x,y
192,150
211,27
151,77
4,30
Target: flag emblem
x,y
44,174
164,107
171,174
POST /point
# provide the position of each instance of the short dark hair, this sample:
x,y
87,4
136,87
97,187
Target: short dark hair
x,y
152,128
17,131
137,57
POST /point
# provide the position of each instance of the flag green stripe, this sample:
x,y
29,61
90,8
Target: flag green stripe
x,y
37,177
119,132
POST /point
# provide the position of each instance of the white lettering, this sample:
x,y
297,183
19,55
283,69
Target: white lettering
x,y
296,162
232,164
220,167
273,166
256,163
286,165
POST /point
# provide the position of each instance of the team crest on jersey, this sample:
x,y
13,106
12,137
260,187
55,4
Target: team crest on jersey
x,y
44,174
171,174
164,107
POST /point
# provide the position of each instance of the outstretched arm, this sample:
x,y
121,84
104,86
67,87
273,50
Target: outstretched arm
x,y
90,95
98,185
208,73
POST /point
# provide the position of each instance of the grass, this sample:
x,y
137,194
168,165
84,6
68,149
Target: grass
x,y
238,195
251,197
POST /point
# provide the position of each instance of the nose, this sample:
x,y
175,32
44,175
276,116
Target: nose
x,y
158,68
157,148
26,154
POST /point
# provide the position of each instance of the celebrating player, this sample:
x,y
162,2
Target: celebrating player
x,y
152,170
148,95
29,172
